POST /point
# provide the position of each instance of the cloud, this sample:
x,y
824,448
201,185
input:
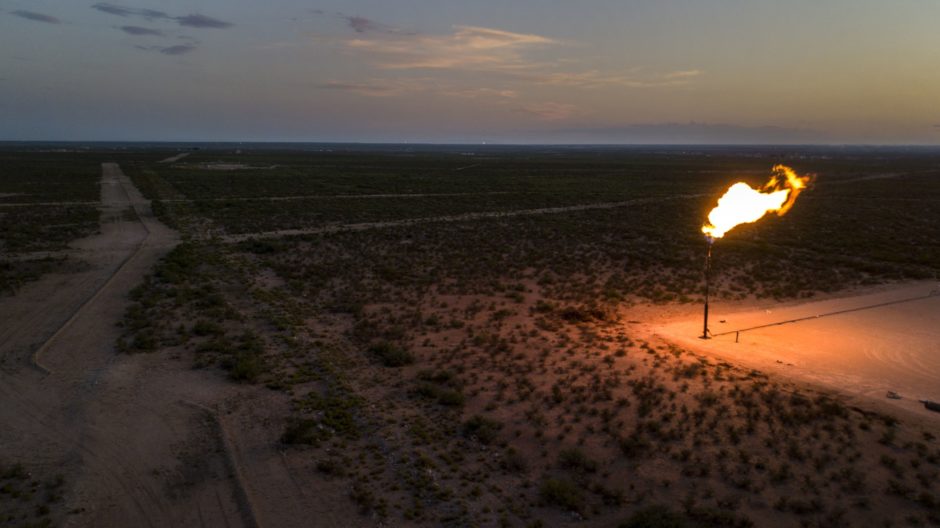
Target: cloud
x,y
361,24
178,49
201,21
366,25
507,53
122,11
137,30
36,17
455,64
368,89
549,111
689,134
683,74
395,87
593,78
468,47
193,20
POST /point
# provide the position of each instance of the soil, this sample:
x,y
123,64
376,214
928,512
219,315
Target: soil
x,y
117,428
146,440
876,341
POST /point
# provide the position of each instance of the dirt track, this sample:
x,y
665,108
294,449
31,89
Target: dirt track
x,y
141,440
132,450
452,218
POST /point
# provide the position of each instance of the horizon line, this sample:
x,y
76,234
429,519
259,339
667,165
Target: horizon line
x,y
456,143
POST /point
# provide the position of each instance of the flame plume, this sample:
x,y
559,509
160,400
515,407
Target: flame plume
x,y
742,204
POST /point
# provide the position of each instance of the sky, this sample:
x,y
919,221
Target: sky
x,y
455,71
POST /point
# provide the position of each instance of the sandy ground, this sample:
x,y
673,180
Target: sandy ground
x,y
142,440
866,344
177,157
118,428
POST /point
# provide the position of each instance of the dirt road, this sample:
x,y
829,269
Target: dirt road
x,y
452,218
177,157
121,430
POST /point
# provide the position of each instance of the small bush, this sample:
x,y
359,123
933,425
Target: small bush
x,y
391,355
246,367
204,328
562,493
333,467
301,431
575,459
513,462
483,429
655,517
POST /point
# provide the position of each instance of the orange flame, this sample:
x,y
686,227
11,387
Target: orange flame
x,y
741,204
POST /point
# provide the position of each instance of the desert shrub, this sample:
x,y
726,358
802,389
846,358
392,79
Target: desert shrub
x,y
204,328
542,306
575,460
633,446
562,493
144,341
220,344
655,517
301,431
179,264
513,461
332,466
483,429
575,315
442,386
265,246
444,395
364,497
715,518
337,411
391,355
246,366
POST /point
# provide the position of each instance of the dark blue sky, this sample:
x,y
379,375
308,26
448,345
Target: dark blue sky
x,y
841,71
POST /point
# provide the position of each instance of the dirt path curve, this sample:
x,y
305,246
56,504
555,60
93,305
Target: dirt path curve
x,y
131,451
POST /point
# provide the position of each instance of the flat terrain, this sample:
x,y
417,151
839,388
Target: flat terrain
x,y
110,430
464,336
868,344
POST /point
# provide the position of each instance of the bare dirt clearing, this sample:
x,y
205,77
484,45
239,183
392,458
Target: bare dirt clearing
x,y
867,344
177,157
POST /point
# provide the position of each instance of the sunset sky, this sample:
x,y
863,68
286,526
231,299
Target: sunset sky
x,y
598,71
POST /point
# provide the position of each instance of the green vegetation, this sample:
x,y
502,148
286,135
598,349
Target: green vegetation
x,y
49,198
46,201
490,371
391,355
655,517
28,501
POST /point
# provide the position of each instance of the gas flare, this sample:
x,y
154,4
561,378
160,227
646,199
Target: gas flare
x,y
742,204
